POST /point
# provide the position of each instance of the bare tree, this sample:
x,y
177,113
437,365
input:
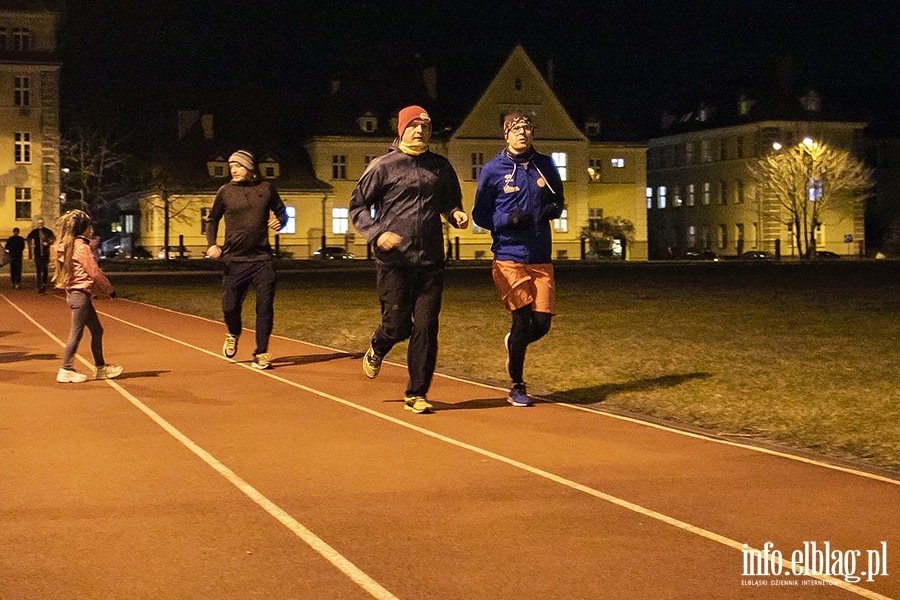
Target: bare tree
x,y
94,169
809,178
169,196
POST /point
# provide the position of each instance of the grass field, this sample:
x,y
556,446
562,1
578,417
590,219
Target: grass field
x,y
805,355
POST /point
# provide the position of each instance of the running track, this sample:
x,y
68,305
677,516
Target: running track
x,y
193,476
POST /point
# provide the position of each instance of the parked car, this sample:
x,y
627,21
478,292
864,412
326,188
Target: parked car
x,y
827,255
174,252
701,255
331,253
756,255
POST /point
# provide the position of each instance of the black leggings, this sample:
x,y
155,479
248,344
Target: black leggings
x,y
527,326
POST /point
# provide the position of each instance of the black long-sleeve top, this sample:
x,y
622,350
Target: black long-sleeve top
x,y
246,207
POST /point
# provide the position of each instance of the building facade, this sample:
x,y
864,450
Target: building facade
x,y
29,117
700,195
601,179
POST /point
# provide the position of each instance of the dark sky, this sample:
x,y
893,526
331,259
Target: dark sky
x,y
133,67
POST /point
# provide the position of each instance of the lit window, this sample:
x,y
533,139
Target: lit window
x,y
815,189
561,225
339,220
594,171
22,91
561,159
707,193
649,194
676,195
339,166
662,196
291,225
23,204
477,229
617,163
23,147
477,164
692,194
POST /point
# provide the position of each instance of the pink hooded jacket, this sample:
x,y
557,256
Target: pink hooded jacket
x,y
86,274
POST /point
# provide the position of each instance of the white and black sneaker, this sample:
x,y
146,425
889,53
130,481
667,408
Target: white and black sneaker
x,y
229,348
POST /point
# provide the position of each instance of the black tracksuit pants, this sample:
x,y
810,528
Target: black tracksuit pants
x,y
239,277
410,306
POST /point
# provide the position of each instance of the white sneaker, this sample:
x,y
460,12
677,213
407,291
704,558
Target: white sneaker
x,y
262,361
69,376
109,371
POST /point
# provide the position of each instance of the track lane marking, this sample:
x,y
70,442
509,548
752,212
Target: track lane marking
x,y
596,411
319,545
776,561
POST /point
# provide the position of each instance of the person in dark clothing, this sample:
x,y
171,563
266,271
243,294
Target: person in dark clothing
x,y
246,202
15,248
519,192
40,240
409,188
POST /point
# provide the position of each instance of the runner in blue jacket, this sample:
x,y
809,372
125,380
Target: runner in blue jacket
x,y
519,193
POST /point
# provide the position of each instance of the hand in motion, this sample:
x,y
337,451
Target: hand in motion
x,y
213,252
461,218
274,224
520,218
388,240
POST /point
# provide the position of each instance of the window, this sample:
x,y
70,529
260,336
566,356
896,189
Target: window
x,y
739,233
739,191
561,225
723,236
477,164
23,147
22,91
617,163
676,195
368,123
339,166
707,193
662,196
689,153
562,162
723,192
595,219
369,158
477,229
23,204
705,151
815,189
649,194
740,146
692,195
21,39
4,45
756,232
128,225
218,171
723,150
339,220
204,217
290,226
269,171
594,171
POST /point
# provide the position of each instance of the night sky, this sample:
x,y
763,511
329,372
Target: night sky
x,y
130,69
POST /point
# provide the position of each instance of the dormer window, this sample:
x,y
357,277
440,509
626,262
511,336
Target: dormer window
x,y
368,123
518,84
592,127
269,168
217,167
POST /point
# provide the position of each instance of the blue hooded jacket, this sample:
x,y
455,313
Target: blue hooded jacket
x,y
516,202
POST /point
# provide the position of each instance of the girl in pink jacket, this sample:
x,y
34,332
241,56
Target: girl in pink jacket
x,y
78,273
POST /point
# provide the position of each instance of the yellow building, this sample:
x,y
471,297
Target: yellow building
x,y
700,195
602,179
29,116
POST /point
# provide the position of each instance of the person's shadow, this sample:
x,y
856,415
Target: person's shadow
x,y
19,356
308,359
599,393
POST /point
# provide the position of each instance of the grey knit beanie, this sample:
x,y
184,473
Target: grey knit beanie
x,y
243,158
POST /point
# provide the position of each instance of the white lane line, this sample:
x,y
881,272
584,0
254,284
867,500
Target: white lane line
x,y
312,540
596,411
773,558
